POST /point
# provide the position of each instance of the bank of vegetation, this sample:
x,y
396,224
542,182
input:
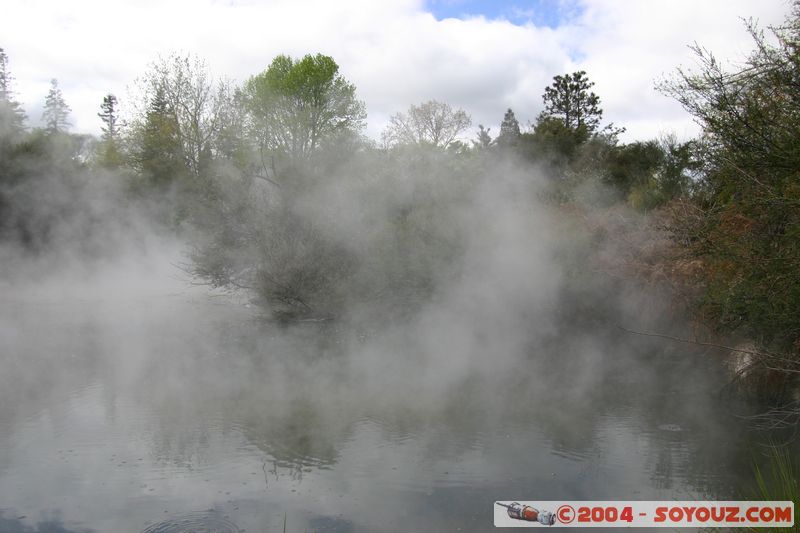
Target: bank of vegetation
x,y
281,194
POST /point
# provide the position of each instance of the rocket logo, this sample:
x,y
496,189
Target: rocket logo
x,y
528,513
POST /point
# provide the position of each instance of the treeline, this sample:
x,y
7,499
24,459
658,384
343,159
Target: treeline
x,y
283,195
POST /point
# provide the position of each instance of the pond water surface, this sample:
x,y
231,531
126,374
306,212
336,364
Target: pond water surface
x,y
185,412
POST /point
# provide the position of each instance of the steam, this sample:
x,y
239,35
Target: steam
x,y
509,325
501,266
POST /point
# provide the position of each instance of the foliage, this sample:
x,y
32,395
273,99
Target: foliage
x,y
110,155
780,483
633,164
50,198
108,114
509,131
244,165
552,141
651,173
749,194
158,152
560,140
295,107
11,114
259,235
180,99
56,110
483,140
570,100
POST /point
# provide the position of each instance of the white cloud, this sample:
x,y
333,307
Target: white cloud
x,y
394,51
628,45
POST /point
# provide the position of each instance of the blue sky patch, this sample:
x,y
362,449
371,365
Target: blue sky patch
x,y
551,13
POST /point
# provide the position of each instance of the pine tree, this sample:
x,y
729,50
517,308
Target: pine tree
x,y
108,114
509,130
109,152
11,115
56,110
160,154
569,99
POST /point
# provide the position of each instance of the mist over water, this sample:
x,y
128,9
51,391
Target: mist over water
x,y
133,399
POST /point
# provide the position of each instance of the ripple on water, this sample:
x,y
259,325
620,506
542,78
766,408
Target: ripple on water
x,y
198,522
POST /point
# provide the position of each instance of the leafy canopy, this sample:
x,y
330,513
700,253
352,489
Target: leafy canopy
x,y
296,106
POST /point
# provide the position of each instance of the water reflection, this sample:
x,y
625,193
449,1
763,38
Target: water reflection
x,y
126,418
198,522
50,525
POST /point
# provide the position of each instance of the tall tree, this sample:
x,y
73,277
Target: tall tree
x,y
108,114
196,102
483,140
570,99
509,130
430,123
5,77
11,115
110,155
296,106
159,153
56,110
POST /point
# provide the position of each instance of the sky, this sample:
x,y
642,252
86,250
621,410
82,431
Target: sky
x,y
481,56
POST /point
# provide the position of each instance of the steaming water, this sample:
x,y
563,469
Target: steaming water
x,y
181,411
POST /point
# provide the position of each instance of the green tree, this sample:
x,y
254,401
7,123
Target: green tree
x,y
110,153
196,102
297,106
159,155
11,128
569,98
483,140
509,130
552,141
746,225
679,166
294,114
56,110
565,137
108,114
633,165
12,117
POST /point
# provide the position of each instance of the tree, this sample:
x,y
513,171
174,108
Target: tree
x,y
678,168
484,140
431,123
108,114
745,224
569,98
109,148
56,110
562,133
295,112
633,164
159,155
5,77
195,101
11,115
297,106
650,173
552,141
509,130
